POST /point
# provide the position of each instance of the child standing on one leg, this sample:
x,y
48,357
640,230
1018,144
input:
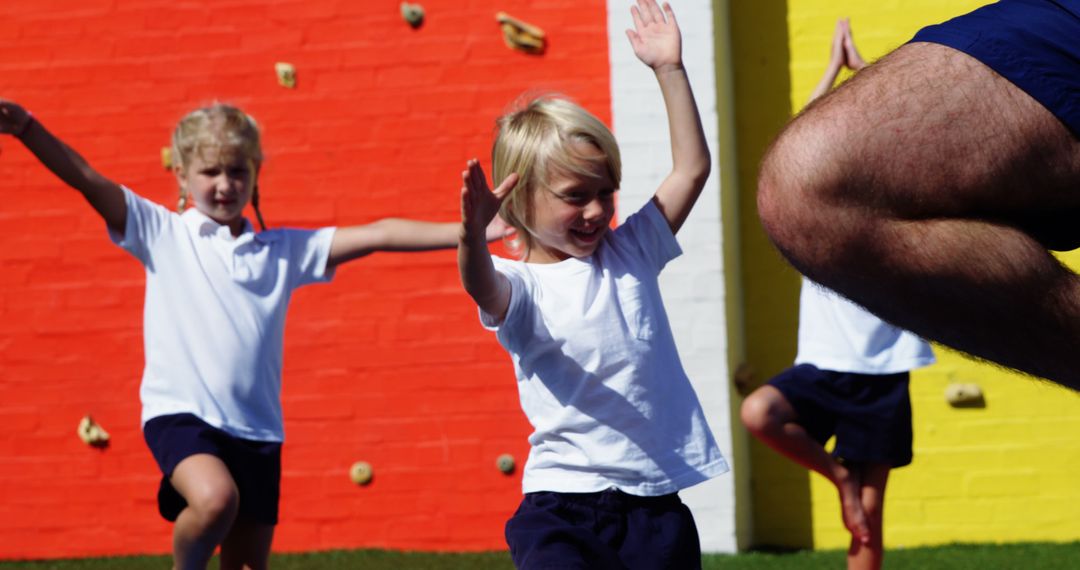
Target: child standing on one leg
x,y
618,427
216,298
850,380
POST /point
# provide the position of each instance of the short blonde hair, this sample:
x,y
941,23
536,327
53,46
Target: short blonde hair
x,y
538,140
219,128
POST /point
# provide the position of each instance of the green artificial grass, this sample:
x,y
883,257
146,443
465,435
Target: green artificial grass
x,y
1027,556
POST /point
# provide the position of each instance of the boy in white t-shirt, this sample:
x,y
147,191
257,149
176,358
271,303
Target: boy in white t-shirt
x,y
850,380
618,430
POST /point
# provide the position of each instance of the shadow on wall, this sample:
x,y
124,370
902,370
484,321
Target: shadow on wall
x,y
780,490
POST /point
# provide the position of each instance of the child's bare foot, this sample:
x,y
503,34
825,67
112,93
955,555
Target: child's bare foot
x,y
851,504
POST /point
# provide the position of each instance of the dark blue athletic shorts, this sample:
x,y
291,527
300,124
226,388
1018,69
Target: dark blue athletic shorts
x,y
605,530
869,414
255,466
1035,44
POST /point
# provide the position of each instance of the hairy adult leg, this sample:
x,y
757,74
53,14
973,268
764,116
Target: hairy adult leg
x,y
213,501
769,416
917,190
247,546
869,555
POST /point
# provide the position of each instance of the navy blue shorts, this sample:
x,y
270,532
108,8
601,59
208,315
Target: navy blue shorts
x,y
255,466
1035,44
870,415
609,530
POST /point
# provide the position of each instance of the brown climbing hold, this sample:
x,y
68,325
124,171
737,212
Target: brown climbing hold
x,y
520,35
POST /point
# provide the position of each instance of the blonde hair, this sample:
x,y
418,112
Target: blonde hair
x,y
223,130
537,141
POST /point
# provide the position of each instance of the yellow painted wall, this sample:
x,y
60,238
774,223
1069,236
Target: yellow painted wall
x,y
1002,473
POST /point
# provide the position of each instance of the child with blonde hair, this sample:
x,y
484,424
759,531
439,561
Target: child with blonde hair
x,y
214,320
618,427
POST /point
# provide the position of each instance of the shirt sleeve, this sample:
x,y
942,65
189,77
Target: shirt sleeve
x,y
143,225
648,232
519,292
309,251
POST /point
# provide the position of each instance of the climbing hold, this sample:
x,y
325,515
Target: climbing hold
x,y
744,379
505,463
166,158
91,433
286,74
520,35
964,395
413,14
361,473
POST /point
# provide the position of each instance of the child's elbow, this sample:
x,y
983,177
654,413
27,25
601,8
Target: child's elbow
x,y
696,174
703,170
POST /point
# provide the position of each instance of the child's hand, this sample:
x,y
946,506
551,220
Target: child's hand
x,y
13,118
479,204
837,54
852,59
655,37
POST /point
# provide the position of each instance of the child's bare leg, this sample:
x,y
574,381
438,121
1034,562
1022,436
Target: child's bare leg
x,y
769,416
213,501
247,547
868,555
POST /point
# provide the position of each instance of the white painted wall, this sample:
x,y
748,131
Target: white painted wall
x,y
693,285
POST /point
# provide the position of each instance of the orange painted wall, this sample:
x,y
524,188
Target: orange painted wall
x,y
387,364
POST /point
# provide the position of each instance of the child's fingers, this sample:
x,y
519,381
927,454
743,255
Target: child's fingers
x,y
636,15
476,174
635,40
670,14
506,186
653,9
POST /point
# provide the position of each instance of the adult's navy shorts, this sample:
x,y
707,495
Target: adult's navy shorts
x,y
1035,44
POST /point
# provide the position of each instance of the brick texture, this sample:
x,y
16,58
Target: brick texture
x,y
1001,473
388,364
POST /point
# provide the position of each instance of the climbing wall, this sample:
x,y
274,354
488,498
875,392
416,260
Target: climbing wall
x,y
387,365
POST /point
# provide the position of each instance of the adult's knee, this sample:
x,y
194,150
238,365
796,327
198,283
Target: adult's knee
x,y
805,194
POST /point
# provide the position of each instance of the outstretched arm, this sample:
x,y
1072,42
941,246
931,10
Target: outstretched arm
x,y
657,42
479,204
398,234
103,194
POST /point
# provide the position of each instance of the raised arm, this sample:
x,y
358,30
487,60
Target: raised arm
x,y
489,288
657,42
104,195
843,54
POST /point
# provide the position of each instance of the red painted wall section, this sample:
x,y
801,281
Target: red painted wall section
x,y
388,364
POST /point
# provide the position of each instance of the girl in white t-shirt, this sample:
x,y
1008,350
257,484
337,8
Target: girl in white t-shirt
x,y
216,297
618,428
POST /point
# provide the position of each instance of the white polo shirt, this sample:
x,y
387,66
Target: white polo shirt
x,y
598,372
836,334
214,314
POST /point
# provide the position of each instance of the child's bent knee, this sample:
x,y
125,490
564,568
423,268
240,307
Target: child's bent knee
x,y
760,411
213,503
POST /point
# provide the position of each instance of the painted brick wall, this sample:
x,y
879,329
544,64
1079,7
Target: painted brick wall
x,y
693,285
387,364
1002,473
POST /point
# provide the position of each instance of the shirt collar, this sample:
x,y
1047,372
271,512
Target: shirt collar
x,y
203,225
